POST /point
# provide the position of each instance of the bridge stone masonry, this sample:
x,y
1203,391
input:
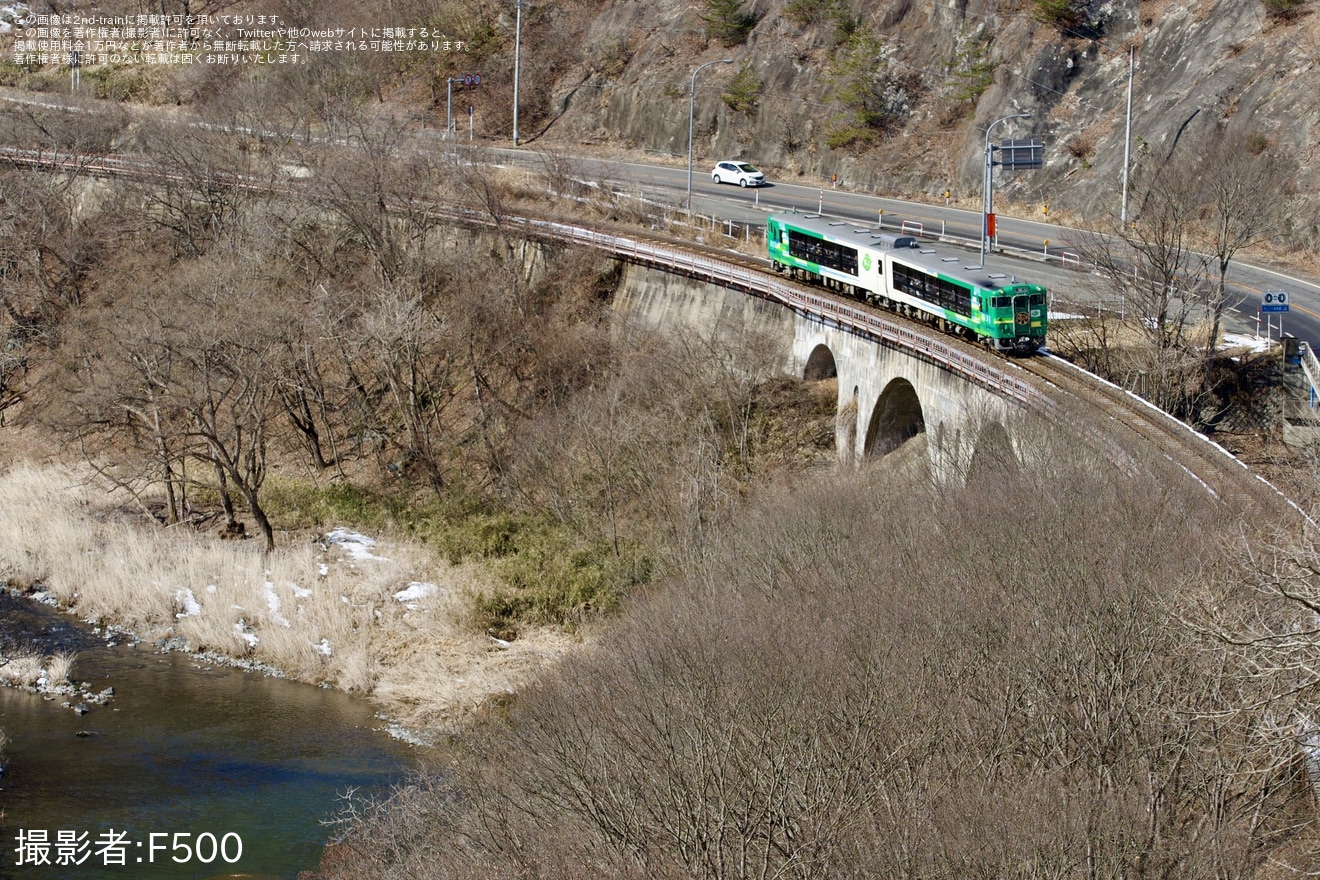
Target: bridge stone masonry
x,y
887,394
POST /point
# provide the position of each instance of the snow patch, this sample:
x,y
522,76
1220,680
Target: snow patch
x,y
244,632
1241,340
273,603
187,601
353,544
323,648
416,591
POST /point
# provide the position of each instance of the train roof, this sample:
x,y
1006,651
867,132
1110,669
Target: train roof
x,y
945,261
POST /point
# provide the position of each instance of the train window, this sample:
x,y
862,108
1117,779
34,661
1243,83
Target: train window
x,y
937,291
1038,299
823,253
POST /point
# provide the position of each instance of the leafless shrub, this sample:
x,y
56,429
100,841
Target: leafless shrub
x,y
1082,147
824,694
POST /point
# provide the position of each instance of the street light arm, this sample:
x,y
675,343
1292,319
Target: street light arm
x,y
988,182
692,103
1002,119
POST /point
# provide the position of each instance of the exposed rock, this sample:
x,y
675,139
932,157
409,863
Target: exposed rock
x,y
1225,65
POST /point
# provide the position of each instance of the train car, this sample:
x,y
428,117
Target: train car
x,y
900,274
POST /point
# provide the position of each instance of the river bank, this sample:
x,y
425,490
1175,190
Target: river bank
x,y
183,748
378,618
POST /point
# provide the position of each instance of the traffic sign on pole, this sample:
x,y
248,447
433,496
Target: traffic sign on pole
x,y
1274,301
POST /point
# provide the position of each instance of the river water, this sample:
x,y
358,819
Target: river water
x,y
182,767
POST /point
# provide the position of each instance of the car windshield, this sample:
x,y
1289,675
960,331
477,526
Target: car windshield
x,y
750,169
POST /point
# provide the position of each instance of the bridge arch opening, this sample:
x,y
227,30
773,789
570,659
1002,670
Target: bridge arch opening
x,y
897,418
820,365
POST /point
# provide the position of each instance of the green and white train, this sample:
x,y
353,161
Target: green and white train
x,y
898,273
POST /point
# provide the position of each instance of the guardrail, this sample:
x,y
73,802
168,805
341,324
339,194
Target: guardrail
x,y
1311,369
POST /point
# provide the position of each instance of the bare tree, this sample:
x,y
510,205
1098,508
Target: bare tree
x,y
1152,267
1241,185
199,186
193,373
820,695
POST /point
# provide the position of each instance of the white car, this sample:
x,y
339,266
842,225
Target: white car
x,y
740,173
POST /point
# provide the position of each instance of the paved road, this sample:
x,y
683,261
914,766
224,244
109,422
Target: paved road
x,y
669,184
1023,241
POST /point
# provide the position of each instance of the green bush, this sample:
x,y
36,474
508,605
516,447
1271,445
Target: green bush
x,y
11,74
973,72
552,578
1063,14
873,96
744,90
118,83
547,574
726,22
836,13
1283,9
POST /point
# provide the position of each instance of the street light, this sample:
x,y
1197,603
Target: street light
x,y
988,183
517,53
692,100
1127,135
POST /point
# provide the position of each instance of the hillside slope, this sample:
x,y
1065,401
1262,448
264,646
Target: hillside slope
x,y
927,78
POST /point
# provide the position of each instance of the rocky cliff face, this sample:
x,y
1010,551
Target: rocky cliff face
x,y
937,74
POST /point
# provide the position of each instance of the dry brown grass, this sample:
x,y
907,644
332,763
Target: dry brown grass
x,y
22,670
311,610
59,666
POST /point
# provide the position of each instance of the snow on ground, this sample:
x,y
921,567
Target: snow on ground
x,y
273,603
353,544
416,592
244,632
1241,340
186,599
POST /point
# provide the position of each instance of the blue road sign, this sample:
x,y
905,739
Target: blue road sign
x,y
1274,301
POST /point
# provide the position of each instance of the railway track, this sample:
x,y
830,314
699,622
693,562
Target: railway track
x,y
1223,476
1227,479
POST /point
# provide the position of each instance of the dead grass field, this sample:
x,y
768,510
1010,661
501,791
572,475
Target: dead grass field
x,y
312,609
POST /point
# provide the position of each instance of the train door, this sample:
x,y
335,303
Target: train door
x,y
1022,315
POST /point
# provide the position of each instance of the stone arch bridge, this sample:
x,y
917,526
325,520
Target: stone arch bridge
x,y
887,393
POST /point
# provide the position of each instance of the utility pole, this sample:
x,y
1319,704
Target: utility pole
x,y
1127,136
449,104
